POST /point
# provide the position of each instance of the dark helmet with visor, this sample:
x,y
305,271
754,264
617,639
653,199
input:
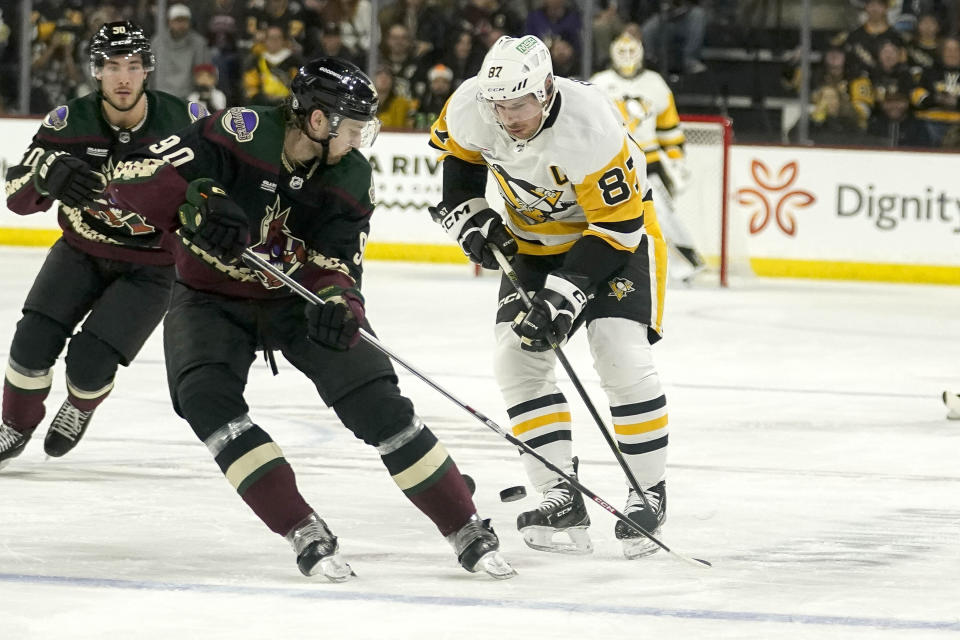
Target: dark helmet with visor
x,y
120,39
341,91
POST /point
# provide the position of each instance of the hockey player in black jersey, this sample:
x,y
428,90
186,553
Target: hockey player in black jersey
x,y
109,266
289,183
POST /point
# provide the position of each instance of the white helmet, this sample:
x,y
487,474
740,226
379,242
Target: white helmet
x,y
626,55
515,67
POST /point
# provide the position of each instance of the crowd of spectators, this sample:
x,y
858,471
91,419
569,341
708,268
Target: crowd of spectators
x,y
894,79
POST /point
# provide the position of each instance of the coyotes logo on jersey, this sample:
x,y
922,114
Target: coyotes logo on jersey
x,y
278,245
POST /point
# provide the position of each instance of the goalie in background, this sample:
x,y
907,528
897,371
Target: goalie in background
x,y
647,106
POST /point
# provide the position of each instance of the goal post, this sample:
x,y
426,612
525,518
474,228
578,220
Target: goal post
x,y
704,205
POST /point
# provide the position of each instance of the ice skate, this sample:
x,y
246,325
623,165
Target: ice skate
x,y
12,443
478,548
318,551
952,401
636,545
67,428
561,512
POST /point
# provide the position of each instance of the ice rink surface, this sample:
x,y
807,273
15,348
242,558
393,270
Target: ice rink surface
x,y
810,462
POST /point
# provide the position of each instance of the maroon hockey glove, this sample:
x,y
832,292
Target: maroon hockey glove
x,y
552,312
213,222
336,323
68,179
473,224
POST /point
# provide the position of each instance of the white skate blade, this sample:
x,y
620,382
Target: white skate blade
x,y
496,566
952,401
544,539
639,547
335,569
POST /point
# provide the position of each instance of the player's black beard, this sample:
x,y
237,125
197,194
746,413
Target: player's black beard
x,y
110,102
325,143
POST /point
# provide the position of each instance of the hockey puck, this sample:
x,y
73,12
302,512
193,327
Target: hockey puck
x,y
513,493
471,485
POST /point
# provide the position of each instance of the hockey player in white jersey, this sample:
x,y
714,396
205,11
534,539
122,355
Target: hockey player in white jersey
x,y
646,104
581,223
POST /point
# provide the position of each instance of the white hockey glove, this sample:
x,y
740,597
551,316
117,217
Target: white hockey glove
x,y
552,312
473,224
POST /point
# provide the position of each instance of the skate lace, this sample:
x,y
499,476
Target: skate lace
x,y
467,534
9,437
315,530
69,421
635,502
554,497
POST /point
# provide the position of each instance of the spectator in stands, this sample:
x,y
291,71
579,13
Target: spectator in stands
x,y
936,97
463,57
225,37
289,15
356,19
833,120
331,44
425,20
899,126
397,54
850,81
487,20
891,80
686,23
267,76
556,19
205,88
922,50
395,110
565,61
179,49
863,43
54,72
607,25
439,88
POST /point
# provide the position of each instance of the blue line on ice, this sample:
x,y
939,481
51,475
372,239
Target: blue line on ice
x,y
339,595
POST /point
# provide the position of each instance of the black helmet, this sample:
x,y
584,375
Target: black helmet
x,y
339,89
119,38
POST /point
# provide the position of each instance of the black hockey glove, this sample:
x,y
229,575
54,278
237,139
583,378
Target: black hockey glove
x,y
552,312
214,222
68,179
336,323
473,224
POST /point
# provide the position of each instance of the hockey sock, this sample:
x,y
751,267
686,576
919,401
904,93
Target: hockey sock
x,y
543,424
87,400
254,464
427,475
24,391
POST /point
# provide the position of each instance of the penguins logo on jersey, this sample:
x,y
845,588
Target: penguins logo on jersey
x,y
620,287
538,204
280,247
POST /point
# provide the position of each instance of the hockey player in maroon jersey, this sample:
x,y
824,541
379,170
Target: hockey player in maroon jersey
x,y
288,182
109,266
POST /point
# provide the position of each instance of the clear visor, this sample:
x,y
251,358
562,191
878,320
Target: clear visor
x,y
359,133
510,112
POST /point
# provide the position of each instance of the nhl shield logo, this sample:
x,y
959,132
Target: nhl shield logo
x,y
57,119
620,287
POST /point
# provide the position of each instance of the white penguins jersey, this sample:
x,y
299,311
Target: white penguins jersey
x,y
580,175
646,104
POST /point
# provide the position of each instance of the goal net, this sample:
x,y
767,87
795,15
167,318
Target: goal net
x,y
704,205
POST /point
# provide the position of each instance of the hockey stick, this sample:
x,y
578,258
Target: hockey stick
x,y
256,261
555,345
